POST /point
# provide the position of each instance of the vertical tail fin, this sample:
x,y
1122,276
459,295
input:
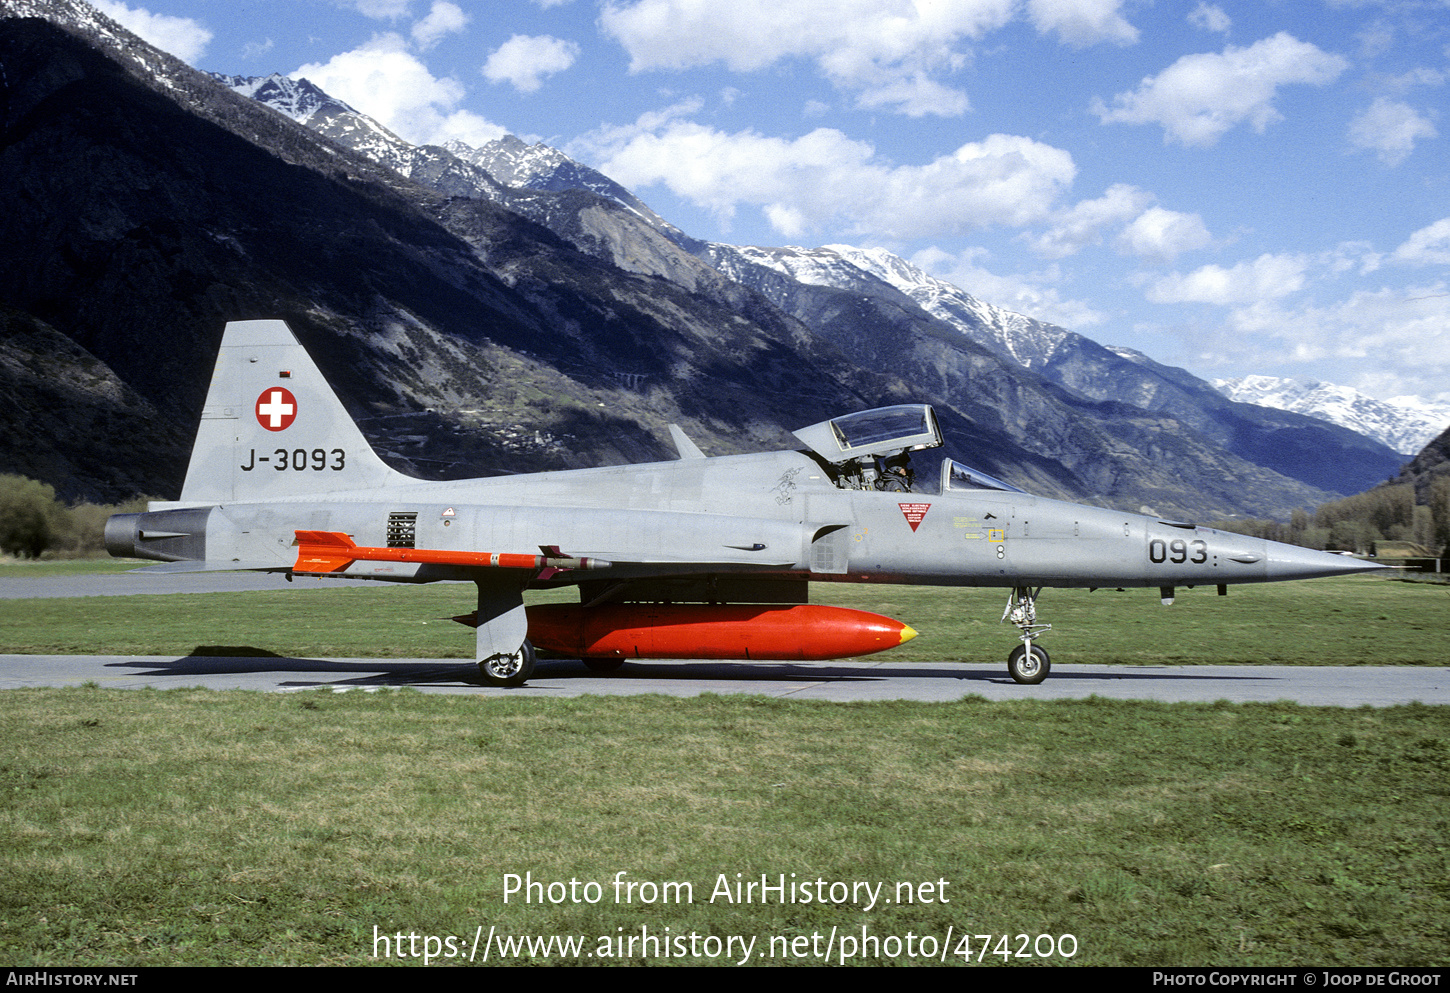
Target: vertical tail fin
x,y
273,428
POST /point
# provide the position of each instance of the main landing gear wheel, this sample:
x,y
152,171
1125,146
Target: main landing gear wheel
x,y
508,669
1029,667
602,665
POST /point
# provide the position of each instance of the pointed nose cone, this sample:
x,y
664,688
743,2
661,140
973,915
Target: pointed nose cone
x,y
1293,562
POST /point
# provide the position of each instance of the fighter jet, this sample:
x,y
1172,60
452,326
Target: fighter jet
x,y
697,558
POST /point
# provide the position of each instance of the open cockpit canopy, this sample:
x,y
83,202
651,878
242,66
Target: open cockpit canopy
x,y
868,450
879,432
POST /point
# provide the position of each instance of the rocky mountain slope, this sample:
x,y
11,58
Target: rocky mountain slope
x,y
144,214
503,329
1430,464
616,225
1092,377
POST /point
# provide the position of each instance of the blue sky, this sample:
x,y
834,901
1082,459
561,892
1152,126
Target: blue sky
x,y
1233,187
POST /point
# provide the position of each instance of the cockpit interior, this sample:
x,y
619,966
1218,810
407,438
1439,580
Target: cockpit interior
x,y
871,450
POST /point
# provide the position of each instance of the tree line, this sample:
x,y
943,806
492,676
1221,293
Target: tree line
x,y
33,521
1355,523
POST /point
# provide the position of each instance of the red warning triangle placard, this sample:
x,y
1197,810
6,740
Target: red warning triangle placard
x,y
914,512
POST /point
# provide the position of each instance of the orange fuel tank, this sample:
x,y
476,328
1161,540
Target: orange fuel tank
x,y
801,632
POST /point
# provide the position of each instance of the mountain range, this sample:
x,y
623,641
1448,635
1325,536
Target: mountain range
x,y
1405,424
507,309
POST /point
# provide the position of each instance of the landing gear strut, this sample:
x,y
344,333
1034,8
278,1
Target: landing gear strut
x,y
508,669
1027,663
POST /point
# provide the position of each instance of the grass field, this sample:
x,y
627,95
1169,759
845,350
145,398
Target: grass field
x,y
1357,620
11,568
194,827
207,828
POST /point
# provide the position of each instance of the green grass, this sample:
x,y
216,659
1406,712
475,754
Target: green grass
x,y
1356,620
1347,621
23,568
206,828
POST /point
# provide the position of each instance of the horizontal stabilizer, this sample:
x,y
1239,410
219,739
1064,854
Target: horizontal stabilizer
x,y
687,448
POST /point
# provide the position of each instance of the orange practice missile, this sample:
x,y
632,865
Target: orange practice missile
x,y
804,632
333,551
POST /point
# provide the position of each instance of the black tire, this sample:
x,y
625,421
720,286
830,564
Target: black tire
x,y
602,665
1031,671
508,670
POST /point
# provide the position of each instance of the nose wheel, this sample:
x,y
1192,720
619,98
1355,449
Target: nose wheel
x,y
1027,663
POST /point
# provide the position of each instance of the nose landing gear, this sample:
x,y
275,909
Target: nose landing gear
x,y
1027,663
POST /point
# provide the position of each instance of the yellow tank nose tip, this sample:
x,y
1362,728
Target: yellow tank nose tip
x,y
907,633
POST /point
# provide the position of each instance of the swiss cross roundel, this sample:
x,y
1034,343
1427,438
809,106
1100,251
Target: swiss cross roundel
x,y
276,409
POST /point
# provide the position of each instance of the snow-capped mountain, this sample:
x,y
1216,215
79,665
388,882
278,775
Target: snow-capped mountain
x,y
1021,340
1028,342
878,309
507,171
311,107
81,17
504,162
299,99
518,164
1406,424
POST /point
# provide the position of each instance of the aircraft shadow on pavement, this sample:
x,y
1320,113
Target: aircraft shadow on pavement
x,y
792,672
379,672
390,672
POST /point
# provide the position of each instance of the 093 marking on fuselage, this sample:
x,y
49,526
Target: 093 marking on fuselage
x,y
704,558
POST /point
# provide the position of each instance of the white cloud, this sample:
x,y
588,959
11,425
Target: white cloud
x,y
1210,17
1029,294
1417,77
1200,97
1397,335
1149,232
388,83
915,96
1083,224
1267,277
1427,246
1390,129
889,52
1082,22
1375,39
1159,235
524,60
443,19
380,10
825,180
181,36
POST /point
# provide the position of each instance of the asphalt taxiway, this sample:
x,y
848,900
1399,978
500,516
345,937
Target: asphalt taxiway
x,y
875,678
841,681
